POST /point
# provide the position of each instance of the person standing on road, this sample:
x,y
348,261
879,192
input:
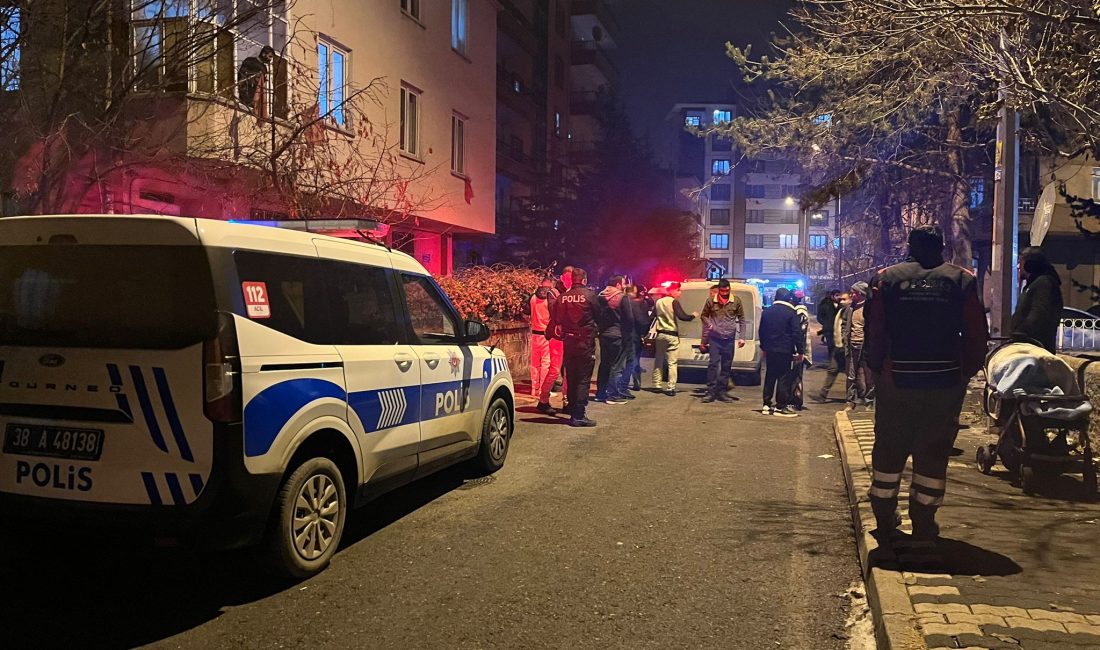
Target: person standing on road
x,y
632,342
669,312
544,367
614,320
1039,312
926,337
723,321
860,383
828,314
797,374
783,344
575,324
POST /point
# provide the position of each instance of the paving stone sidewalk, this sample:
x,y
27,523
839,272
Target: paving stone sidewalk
x,y
1011,571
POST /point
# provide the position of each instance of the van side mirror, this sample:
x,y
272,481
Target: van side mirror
x,y
476,331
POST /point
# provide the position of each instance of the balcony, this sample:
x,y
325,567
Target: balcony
x,y
591,14
592,69
512,25
522,102
514,162
586,102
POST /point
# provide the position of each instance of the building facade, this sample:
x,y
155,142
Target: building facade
x,y
373,111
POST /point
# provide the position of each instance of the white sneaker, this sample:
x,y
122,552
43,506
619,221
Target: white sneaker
x,y
767,410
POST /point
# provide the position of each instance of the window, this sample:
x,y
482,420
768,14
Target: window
x,y
557,123
819,218
720,192
721,144
458,145
717,268
10,47
720,217
430,314
789,267
754,216
723,117
719,241
362,309
788,241
977,193
296,292
410,121
159,35
818,242
559,72
693,121
819,268
1096,183
332,64
792,191
754,266
411,7
460,24
754,241
755,191
720,166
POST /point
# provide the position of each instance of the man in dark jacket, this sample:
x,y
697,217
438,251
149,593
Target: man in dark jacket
x,y
614,320
784,344
1039,311
575,323
632,342
925,338
828,310
723,321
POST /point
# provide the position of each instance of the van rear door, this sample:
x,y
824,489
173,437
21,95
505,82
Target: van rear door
x,y
102,325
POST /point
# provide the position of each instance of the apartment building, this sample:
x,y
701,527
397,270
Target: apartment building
x,y
373,117
592,75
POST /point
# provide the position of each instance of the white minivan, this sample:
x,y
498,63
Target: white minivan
x,y
221,385
745,360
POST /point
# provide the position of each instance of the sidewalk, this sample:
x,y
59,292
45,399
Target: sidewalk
x,y
1011,571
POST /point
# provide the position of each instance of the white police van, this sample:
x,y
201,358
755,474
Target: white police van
x,y
222,385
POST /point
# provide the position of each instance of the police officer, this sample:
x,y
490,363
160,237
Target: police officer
x,y
925,338
575,323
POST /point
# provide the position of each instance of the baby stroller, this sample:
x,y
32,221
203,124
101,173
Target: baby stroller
x,y
1039,414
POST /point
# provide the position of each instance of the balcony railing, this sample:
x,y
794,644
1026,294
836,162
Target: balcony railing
x,y
588,54
1079,335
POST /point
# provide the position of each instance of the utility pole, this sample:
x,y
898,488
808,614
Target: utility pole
x,y
1006,221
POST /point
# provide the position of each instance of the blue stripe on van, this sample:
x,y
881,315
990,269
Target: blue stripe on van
x,y
175,488
173,417
196,483
147,409
268,412
151,488
123,401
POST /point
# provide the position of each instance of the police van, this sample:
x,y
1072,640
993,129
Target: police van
x,y
747,359
220,385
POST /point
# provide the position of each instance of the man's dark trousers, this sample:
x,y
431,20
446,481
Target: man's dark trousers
x,y
579,361
721,358
777,365
837,365
918,422
611,356
626,374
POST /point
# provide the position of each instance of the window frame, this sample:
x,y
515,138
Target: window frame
x,y
728,220
757,266
722,237
720,167
445,302
721,116
407,93
692,120
11,34
727,188
412,9
326,101
458,144
460,26
818,268
754,241
788,241
818,237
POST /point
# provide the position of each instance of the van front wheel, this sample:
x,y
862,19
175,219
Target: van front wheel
x,y
496,435
308,519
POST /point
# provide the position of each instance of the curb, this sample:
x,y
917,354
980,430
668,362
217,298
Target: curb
x,y
895,621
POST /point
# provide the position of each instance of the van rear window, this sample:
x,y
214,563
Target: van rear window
x,y
143,297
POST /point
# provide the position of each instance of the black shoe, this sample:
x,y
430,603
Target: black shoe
x,y
615,401
670,392
785,412
707,399
820,399
729,398
544,407
627,396
582,422
635,388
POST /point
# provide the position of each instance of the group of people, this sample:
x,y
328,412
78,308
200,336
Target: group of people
x,y
841,316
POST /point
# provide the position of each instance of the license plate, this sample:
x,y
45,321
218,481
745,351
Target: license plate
x,y
55,442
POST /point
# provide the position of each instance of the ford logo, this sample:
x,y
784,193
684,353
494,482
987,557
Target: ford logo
x,y
52,360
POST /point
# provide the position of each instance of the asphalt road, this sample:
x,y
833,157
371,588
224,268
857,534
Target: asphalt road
x,y
673,524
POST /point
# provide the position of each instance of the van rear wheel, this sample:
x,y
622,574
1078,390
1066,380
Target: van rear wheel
x,y
308,520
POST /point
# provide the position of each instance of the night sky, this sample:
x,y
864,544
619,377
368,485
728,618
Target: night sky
x,y
673,51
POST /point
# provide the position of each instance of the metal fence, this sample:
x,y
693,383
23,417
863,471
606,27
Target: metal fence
x,y
1079,335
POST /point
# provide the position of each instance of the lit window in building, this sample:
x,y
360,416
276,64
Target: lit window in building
x,y
411,7
693,120
819,242
720,192
720,167
754,241
719,241
516,86
460,21
458,145
788,241
557,122
720,217
820,217
410,121
332,73
9,47
723,117
977,193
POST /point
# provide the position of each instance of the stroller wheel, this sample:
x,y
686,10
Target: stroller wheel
x,y
1028,479
985,460
1089,480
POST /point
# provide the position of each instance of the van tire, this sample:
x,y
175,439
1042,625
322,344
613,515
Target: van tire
x,y
496,437
314,493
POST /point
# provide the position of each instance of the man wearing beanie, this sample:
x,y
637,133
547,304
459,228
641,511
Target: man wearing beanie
x,y
784,345
925,338
860,383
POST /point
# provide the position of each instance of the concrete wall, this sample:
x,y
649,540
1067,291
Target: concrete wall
x,y
1090,370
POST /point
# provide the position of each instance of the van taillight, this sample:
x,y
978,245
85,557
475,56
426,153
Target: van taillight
x,y
222,373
